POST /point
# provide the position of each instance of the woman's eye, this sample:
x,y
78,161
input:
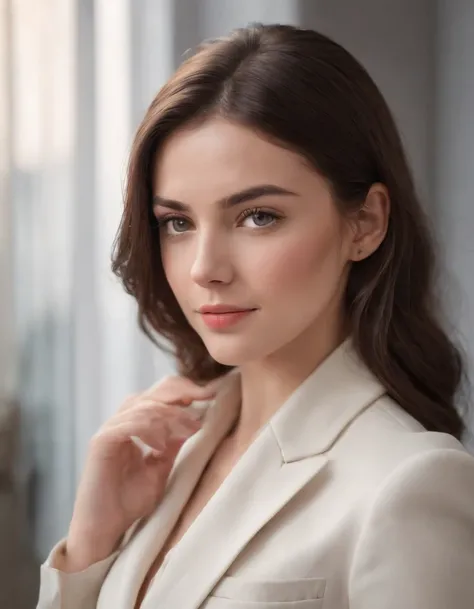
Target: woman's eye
x,y
175,226
259,219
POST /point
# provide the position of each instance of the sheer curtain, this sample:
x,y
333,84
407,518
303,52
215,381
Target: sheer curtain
x,y
41,187
79,352
76,76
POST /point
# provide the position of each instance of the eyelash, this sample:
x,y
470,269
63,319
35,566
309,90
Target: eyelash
x,y
247,213
165,220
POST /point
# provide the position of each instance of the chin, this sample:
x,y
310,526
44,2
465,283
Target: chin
x,y
234,352
229,357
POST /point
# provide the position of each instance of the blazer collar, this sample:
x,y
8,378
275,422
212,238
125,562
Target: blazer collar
x,y
317,412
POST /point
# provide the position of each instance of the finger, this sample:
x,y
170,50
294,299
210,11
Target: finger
x,y
161,464
175,390
169,453
129,401
180,389
166,389
152,411
180,399
156,435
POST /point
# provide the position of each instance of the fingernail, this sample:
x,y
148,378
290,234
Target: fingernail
x,y
200,404
145,448
155,454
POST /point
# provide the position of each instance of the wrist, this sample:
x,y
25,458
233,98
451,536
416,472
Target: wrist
x,y
80,551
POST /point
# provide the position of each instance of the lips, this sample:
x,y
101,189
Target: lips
x,y
220,317
223,309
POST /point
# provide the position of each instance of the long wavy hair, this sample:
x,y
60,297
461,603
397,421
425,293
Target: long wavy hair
x,y
305,91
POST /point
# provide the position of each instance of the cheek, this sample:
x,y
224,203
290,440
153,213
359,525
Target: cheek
x,y
176,270
311,262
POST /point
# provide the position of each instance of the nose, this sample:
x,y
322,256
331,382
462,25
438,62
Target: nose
x,y
212,263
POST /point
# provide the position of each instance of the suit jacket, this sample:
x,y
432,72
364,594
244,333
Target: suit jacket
x,y
343,500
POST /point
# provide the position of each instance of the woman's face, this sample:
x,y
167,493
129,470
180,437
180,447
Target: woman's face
x,y
252,243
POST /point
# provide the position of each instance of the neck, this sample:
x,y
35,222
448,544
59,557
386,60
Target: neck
x,y
268,383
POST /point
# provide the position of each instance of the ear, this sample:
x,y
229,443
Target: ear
x,y
370,222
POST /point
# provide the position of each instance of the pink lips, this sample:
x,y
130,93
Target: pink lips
x,y
219,317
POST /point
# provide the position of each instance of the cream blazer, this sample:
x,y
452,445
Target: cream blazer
x,y
342,501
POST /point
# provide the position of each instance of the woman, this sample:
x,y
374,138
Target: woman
x,y
272,234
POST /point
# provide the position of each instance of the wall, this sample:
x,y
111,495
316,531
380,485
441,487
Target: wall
x,y
395,43
454,165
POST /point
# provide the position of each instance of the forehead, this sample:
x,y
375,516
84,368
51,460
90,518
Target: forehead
x,y
217,157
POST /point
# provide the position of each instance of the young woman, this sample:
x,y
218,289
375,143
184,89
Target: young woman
x,y
273,235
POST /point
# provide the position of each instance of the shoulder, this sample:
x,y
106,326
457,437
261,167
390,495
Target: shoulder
x,y
384,437
416,535
385,445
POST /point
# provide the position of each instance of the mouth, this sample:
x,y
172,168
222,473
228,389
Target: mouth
x,y
218,317
222,309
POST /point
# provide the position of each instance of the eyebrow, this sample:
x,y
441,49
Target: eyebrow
x,y
243,196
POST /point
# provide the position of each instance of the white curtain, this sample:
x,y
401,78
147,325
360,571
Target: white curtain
x,y
76,76
41,196
79,352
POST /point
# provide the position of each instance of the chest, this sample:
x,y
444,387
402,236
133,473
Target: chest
x,y
211,479
213,475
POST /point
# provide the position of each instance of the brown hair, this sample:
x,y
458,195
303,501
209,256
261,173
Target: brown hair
x,y
302,89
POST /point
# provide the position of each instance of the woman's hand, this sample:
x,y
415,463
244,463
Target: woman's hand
x,y
120,484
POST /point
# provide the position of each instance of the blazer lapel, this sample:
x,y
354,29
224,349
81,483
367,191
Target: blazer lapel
x,y
258,487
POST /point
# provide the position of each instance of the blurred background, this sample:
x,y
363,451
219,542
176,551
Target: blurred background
x,y
75,78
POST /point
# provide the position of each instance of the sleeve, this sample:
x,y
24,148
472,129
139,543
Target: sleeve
x,y
416,549
60,590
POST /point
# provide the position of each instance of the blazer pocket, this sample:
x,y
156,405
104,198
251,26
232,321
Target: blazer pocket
x,y
297,593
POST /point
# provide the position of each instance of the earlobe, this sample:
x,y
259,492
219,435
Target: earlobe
x,y
359,255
